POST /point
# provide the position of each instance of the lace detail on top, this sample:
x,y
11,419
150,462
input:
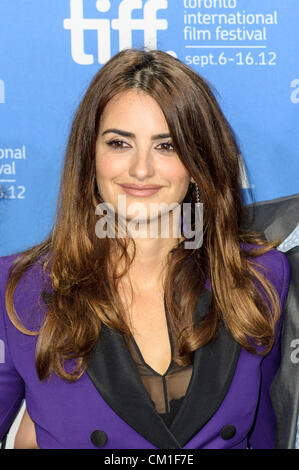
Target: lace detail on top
x,y
166,391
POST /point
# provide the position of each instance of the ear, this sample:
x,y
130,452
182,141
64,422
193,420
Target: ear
x,y
192,180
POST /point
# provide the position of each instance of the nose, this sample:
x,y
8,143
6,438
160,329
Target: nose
x,y
142,165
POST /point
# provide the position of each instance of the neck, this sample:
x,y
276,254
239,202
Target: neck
x,y
148,267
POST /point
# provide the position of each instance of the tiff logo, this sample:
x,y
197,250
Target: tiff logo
x,y
2,92
124,24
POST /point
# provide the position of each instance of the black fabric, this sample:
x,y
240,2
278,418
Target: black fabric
x,y
228,432
213,369
98,438
284,390
209,382
174,406
3,442
277,219
166,390
114,374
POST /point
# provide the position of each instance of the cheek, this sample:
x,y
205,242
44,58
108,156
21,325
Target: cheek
x,y
174,167
177,175
107,168
180,179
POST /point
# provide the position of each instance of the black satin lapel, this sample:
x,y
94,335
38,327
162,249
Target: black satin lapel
x,y
213,369
203,304
115,376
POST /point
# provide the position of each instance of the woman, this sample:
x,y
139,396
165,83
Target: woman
x,y
140,341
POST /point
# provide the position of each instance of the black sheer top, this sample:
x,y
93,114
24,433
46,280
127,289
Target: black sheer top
x,y
166,391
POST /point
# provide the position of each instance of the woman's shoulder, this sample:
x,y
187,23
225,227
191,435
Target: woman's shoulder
x,y
7,261
32,274
273,264
27,295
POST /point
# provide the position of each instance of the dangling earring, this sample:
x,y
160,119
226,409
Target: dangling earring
x,y
193,228
197,194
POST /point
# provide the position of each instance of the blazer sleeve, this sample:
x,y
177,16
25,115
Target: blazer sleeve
x,y
12,387
263,430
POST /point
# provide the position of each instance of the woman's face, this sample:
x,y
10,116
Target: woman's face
x,y
134,147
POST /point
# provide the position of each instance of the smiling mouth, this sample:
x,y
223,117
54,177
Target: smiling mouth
x,y
140,190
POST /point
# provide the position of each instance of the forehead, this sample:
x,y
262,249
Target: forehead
x,y
133,105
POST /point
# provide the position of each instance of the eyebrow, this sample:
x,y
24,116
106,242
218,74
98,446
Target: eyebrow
x,y
130,134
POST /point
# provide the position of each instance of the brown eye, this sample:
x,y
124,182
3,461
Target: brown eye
x,y
166,147
117,144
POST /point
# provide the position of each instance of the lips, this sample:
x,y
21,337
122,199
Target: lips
x,y
140,190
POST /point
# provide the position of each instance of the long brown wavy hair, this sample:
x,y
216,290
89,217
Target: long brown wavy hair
x,y
85,292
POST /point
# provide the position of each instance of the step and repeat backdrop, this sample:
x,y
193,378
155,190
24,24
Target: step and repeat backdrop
x,y
50,50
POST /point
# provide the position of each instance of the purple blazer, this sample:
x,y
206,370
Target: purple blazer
x,y
227,404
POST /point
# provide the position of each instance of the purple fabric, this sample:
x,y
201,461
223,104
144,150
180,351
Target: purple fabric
x,y
66,414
